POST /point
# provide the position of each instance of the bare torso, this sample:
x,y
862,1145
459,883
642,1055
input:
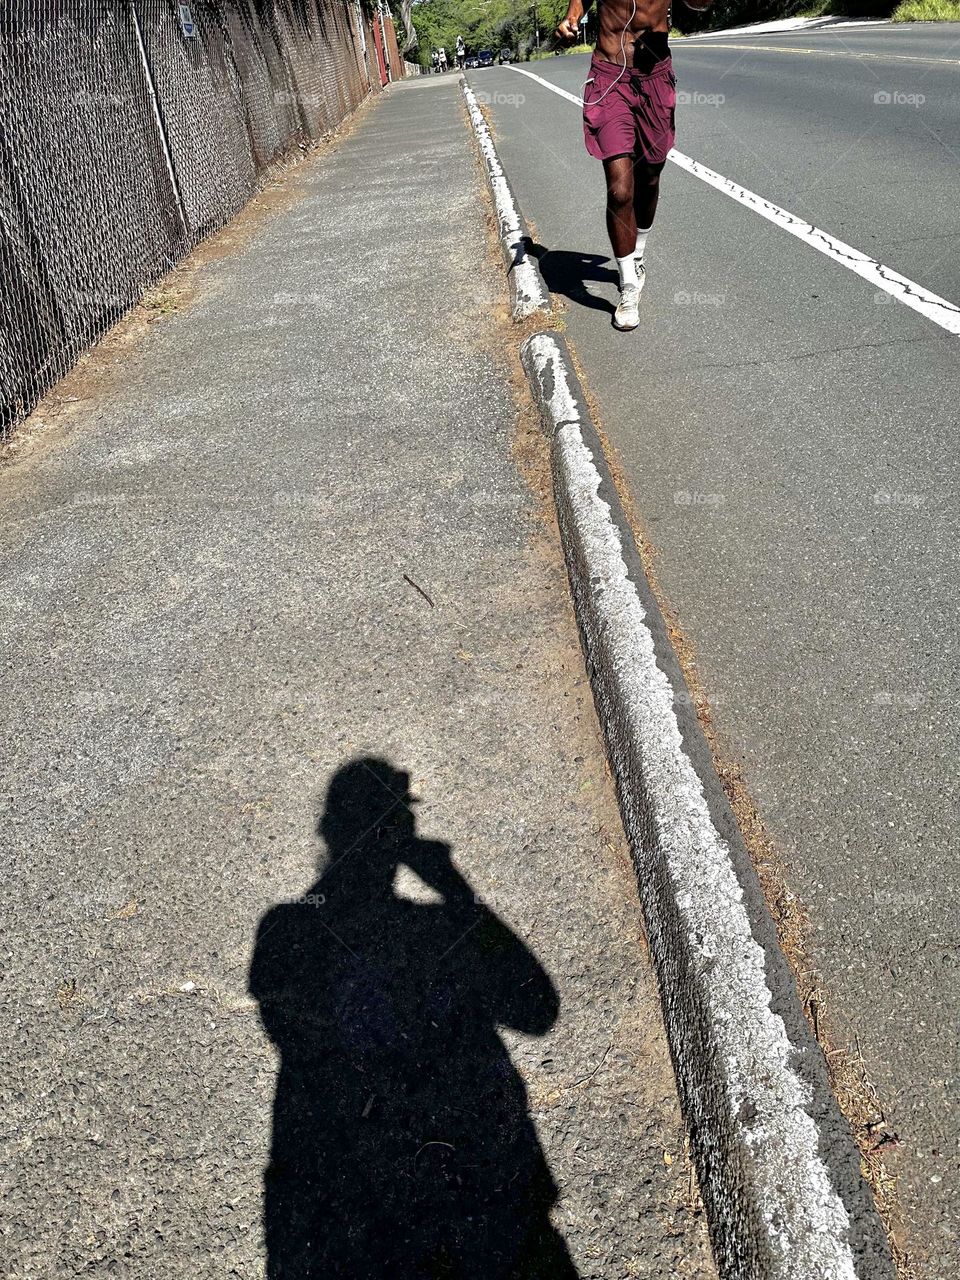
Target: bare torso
x,y
641,20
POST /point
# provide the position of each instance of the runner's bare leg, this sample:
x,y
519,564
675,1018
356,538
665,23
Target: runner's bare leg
x,y
646,192
621,219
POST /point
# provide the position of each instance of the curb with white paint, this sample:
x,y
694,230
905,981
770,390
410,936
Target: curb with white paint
x,y
788,25
778,1166
528,293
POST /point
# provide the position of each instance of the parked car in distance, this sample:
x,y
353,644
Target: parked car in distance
x,y
485,58
505,56
472,62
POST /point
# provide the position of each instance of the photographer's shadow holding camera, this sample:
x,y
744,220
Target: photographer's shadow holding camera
x,y
402,1144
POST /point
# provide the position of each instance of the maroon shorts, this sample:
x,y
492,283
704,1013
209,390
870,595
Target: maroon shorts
x,y
632,115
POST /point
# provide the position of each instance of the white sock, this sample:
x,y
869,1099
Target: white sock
x,y
628,271
642,233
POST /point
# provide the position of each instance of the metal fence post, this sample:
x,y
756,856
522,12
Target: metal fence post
x,y
386,43
161,123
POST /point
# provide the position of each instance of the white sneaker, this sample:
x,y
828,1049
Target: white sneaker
x,y
627,314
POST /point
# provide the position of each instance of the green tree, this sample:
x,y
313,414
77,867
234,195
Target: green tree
x,y
484,24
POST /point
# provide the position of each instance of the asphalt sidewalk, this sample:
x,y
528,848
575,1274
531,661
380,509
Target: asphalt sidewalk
x,y
298,563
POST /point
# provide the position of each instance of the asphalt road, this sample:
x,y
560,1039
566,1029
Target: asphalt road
x,y
788,433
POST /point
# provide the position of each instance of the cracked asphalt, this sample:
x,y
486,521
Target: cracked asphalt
x,y
293,559
788,436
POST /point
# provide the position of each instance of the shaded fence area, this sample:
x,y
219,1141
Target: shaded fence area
x,y
130,129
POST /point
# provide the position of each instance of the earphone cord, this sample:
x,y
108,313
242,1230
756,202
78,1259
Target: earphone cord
x,y
623,55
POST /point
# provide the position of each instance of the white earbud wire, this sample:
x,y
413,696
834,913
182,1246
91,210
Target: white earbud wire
x,y
623,70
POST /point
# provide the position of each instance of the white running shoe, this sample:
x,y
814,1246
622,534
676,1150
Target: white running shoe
x,y
627,314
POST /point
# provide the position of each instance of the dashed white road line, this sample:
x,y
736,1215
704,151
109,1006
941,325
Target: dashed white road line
x,y
928,304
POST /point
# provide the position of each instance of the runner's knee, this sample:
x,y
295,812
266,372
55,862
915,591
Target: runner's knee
x,y
620,189
647,176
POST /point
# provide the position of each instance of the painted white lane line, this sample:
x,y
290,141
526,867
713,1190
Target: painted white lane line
x,y
930,305
571,97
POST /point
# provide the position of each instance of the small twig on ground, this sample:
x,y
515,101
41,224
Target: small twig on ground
x,y
416,586
591,1074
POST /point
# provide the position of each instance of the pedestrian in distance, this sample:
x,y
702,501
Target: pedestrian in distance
x,y
461,53
442,56
629,106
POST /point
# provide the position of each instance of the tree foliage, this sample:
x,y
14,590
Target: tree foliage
x,y
484,24
494,24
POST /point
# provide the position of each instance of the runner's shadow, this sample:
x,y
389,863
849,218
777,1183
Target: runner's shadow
x,y
402,1143
568,273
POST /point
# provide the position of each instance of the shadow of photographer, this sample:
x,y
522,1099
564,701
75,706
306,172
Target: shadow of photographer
x,y
402,1144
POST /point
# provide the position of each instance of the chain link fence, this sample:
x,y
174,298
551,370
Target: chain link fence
x,y
130,129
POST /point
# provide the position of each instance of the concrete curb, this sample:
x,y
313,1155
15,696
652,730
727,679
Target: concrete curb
x,y
789,26
778,1166
528,293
